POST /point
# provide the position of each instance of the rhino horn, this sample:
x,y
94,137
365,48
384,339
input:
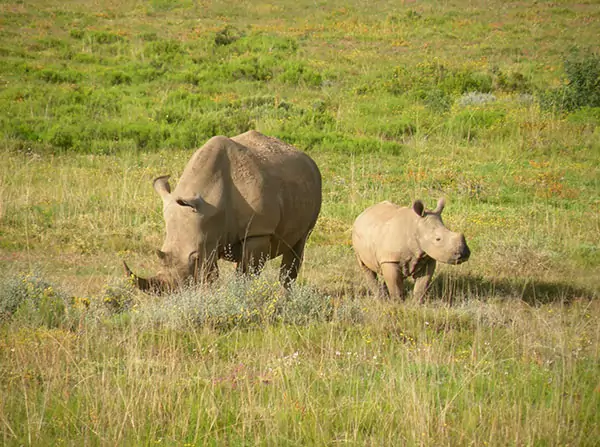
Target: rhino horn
x,y
440,206
153,284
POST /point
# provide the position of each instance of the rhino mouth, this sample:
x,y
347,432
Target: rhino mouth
x,y
462,257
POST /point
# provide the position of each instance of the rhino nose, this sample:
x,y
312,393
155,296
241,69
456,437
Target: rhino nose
x,y
463,252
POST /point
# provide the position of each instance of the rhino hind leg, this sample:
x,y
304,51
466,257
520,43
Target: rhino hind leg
x,y
371,277
393,279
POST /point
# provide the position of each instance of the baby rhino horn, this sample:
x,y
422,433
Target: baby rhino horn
x,y
440,206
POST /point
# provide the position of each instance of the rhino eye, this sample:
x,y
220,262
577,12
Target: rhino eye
x,y
437,239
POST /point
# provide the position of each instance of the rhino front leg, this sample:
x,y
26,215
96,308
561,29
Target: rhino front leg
x,y
393,279
255,252
291,263
423,280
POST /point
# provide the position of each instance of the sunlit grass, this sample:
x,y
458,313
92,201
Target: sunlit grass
x,y
395,102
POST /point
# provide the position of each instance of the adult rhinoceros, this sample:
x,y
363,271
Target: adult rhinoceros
x,y
244,199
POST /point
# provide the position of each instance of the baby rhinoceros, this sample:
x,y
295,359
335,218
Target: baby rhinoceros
x,y
399,242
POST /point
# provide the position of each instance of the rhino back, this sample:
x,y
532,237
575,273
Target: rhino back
x,y
263,184
294,181
384,233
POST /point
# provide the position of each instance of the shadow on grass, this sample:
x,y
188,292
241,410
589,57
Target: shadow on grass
x,y
453,288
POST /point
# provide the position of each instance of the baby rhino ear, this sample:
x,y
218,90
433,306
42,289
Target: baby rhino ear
x,y
418,208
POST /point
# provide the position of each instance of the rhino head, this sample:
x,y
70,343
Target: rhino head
x,y
437,241
189,250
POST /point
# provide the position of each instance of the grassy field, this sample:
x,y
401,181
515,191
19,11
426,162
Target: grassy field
x,y
493,105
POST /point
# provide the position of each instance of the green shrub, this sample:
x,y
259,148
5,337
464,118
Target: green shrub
x,y
435,99
104,37
265,43
513,82
192,134
298,73
77,33
22,128
430,76
467,123
149,36
586,116
163,49
250,67
60,76
118,78
582,88
147,135
62,137
227,36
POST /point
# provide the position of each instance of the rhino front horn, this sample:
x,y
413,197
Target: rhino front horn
x,y
146,285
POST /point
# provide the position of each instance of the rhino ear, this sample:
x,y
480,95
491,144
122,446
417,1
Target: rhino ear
x,y
440,206
418,207
162,187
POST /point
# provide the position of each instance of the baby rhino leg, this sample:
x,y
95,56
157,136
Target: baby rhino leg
x,y
393,279
371,278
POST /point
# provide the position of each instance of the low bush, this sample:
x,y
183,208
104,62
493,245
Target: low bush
x,y
582,87
241,302
32,300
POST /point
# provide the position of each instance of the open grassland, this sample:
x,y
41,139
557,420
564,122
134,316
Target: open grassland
x,y
493,105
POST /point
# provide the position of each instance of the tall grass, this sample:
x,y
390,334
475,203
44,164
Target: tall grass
x,y
494,374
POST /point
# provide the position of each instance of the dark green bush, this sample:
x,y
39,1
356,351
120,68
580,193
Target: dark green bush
x,y
227,36
513,82
104,37
250,67
62,137
118,78
163,49
55,76
147,135
438,76
582,88
77,33
193,133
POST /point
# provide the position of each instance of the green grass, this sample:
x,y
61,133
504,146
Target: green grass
x,y
493,106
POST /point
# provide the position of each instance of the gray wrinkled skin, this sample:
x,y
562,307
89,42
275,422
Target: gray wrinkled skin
x,y
399,242
245,199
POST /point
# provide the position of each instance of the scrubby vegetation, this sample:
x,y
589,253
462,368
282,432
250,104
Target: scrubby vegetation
x,y
494,106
